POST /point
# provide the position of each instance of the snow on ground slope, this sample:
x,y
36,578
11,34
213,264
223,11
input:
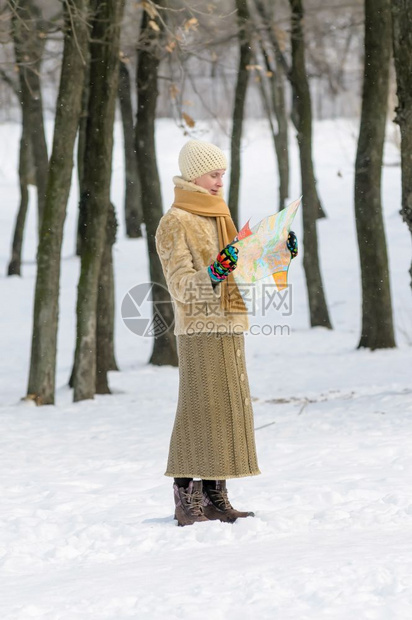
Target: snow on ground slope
x,y
86,527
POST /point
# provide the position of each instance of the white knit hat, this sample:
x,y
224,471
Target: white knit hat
x,y
197,158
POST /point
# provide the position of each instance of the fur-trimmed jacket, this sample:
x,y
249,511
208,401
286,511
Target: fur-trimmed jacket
x,y
187,244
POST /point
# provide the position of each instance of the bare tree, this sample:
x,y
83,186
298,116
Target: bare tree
x,y
281,62
104,65
319,315
105,357
133,194
149,53
41,386
245,56
26,177
272,86
402,51
29,34
14,267
274,102
377,323
81,146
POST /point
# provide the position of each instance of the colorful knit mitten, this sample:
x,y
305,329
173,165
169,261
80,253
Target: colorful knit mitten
x,y
292,244
225,263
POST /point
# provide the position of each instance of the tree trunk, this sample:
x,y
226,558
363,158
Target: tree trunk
x,y
377,324
303,114
29,40
105,358
164,348
280,138
282,63
245,55
24,172
402,51
104,65
81,145
267,105
133,196
43,353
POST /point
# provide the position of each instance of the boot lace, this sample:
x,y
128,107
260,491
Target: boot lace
x,y
221,499
194,501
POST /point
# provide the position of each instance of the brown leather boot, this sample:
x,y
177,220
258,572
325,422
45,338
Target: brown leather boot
x,y
188,503
216,503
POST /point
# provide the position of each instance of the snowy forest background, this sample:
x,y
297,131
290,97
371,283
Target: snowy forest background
x,y
301,104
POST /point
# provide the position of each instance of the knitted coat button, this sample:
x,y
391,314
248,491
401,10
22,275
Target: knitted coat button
x,y
238,353
242,377
246,401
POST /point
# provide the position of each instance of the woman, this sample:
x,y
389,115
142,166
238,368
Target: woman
x,y
213,435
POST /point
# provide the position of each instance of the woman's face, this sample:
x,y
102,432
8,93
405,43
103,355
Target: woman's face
x,y
211,181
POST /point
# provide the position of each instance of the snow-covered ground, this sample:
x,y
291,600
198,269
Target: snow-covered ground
x,y
86,527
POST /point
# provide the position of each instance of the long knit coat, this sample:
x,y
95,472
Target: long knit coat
x,y
213,434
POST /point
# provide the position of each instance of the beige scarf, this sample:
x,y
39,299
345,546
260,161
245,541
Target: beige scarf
x,y
206,205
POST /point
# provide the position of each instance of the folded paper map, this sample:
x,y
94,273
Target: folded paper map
x,y
262,248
